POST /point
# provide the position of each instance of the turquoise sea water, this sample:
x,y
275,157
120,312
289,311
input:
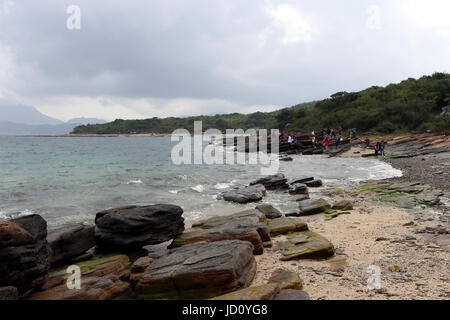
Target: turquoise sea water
x,y
70,179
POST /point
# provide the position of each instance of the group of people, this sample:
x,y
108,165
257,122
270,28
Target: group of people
x,y
377,147
292,139
328,135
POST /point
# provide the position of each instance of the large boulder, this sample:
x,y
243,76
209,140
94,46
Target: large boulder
x,y
312,207
306,245
264,292
246,226
24,258
274,182
269,211
285,225
134,227
245,195
104,278
70,241
198,271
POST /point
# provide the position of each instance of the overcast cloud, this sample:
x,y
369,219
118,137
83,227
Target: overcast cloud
x,y
138,59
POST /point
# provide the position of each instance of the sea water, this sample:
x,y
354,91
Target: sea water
x,y
68,180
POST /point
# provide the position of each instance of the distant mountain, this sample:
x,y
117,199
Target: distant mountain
x,y
86,121
19,120
19,113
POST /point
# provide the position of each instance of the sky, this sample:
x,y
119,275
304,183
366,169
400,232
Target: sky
x,y
136,59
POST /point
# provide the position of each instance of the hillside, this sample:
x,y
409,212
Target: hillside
x,y
412,105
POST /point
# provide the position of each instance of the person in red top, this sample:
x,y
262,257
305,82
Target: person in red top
x,y
326,143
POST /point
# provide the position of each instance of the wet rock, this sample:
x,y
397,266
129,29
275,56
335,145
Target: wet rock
x,y
269,211
312,207
299,189
286,279
306,245
285,225
9,293
301,180
286,159
245,195
343,205
246,226
134,227
141,264
292,295
272,182
198,271
264,292
70,241
314,183
24,265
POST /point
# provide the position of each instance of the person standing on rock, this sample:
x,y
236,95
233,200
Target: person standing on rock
x,y
382,146
326,143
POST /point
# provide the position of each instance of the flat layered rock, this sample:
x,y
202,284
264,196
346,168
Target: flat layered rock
x,y
70,242
134,227
269,211
199,271
285,225
246,226
253,193
264,292
24,258
101,279
306,245
312,207
274,182
286,279
109,287
292,295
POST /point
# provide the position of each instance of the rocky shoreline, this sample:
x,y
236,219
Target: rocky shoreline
x,y
321,250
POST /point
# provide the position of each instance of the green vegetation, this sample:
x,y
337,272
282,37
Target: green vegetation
x,y
412,105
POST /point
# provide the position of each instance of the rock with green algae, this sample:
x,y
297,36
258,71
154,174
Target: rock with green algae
x,y
264,292
246,226
343,205
198,271
306,245
102,279
285,225
403,194
331,214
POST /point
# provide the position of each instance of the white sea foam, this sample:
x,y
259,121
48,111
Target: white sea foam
x,y
200,188
136,181
15,215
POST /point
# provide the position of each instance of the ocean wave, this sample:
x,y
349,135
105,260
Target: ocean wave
x,y
15,215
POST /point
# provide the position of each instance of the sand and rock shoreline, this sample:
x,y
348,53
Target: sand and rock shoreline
x,y
326,249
